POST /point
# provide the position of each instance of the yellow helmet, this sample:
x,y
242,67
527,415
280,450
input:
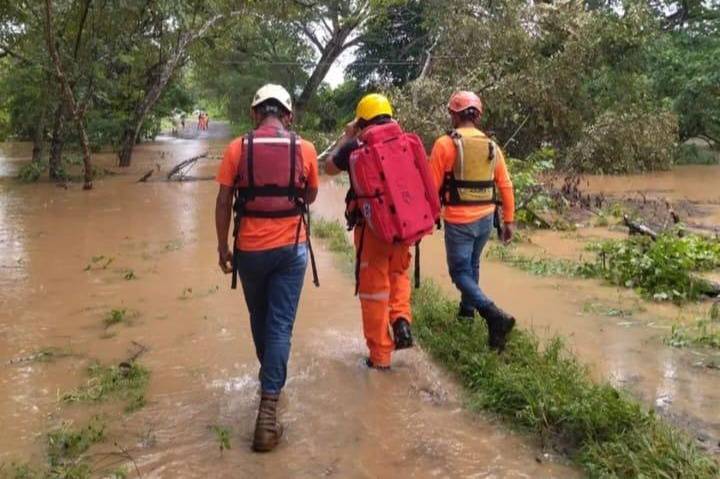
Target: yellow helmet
x,y
373,105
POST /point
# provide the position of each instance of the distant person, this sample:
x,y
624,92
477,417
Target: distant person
x,y
468,169
207,121
387,217
270,240
199,120
183,117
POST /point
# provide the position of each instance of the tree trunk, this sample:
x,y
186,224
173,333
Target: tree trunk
x,y
57,143
77,111
39,137
132,131
176,57
330,53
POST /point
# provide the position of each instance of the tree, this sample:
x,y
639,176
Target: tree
x,y
165,33
74,103
332,27
394,45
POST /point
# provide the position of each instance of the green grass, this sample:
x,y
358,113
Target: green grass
x,y
126,382
546,390
336,239
66,447
222,436
703,332
536,265
114,316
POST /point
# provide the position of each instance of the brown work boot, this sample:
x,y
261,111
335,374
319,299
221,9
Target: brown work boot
x,y
268,430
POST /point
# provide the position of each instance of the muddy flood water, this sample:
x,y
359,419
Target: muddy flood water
x,y
65,261
342,420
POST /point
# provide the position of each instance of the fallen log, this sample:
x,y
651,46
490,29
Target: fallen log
x,y
639,228
180,167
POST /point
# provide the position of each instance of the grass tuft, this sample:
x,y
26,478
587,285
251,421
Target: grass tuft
x,y
222,436
536,265
127,382
704,332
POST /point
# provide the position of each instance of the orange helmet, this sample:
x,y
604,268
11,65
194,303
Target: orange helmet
x,y
462,100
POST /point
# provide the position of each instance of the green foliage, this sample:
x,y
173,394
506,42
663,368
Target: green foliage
x,y
690,154
336,238
628,140
222,435
393,58
65,445
117,316
527,184
126,381
661,269
547,391
31,172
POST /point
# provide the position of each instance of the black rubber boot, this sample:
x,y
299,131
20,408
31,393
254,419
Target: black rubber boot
x,y
499,326
402,334
465,314
268,430
372,365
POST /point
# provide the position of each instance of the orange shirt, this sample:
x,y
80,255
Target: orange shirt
x,y
442,160
258,234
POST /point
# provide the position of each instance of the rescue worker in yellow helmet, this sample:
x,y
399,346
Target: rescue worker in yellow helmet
x,y
383,281
469,169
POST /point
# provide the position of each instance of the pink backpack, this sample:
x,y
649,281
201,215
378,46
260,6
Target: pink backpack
x,y
394,190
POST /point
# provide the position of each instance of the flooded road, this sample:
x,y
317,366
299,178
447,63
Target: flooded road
x,y
69,257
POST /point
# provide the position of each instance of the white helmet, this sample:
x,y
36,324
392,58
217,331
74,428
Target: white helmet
x,y
275,92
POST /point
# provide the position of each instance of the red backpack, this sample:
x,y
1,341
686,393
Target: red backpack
x,y
393,188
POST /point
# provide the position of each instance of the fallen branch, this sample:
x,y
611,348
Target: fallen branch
x,y
534,191
146,176
639,228
180,167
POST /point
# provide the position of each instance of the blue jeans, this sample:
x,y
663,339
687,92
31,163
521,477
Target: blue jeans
x,y
464,244
272,281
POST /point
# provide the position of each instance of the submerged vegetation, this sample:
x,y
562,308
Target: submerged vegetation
x,y
66,448
126,381
336,238
546,390
703,332
662,269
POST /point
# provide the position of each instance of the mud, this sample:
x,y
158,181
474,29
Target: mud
x,y
342,420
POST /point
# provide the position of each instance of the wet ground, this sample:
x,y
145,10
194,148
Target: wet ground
x,y
65,256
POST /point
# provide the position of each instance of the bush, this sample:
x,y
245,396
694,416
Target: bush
x,y
628,140
31,172
660,269
690,154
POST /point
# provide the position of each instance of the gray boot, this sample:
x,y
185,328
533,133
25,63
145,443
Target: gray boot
x,y
268,430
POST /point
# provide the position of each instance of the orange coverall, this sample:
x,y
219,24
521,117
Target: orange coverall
x,y
384,291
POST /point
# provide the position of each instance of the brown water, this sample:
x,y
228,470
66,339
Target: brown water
x,y
342,420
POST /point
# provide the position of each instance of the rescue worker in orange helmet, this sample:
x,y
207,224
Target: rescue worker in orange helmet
x,y
270,246
383,281
469,169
